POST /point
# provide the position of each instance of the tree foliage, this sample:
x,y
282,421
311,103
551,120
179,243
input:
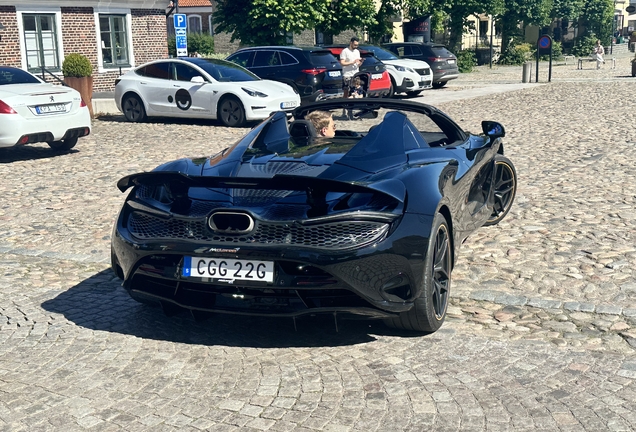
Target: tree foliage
x,y
597,17
535,12
266,22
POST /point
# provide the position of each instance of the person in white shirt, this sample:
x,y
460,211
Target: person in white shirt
x,y
350,61
598,53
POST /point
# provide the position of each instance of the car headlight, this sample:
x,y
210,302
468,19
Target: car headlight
x,y
404,69
253,93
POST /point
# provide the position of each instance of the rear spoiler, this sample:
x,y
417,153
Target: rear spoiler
x,y
177,181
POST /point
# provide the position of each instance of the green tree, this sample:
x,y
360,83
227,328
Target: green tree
x,y
597,16
527,12
265,22
458,13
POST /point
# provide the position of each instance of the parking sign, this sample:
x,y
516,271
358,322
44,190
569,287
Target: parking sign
x,y
180,21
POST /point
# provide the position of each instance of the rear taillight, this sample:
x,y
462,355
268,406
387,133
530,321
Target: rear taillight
x,y
435,59
6,109
82,103
314,71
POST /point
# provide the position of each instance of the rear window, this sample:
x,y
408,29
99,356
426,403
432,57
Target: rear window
x,y
441,51
322,58
16,76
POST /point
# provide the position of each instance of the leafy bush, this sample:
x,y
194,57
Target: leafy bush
x,y
197,42
584,45
466,60
77,65
516,54
557,52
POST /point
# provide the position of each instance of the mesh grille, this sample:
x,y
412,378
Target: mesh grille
x,y
333,235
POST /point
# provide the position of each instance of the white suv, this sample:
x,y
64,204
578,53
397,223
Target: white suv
x,y
407,75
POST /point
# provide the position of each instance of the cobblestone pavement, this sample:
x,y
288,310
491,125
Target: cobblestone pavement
x,y
541,332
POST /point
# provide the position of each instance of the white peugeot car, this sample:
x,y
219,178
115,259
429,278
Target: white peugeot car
x,y
407,75
32,111
195,87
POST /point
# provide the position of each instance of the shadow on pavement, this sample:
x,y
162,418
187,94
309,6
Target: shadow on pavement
x,y
100,303
119,118
30,152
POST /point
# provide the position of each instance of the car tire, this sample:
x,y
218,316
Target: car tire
x,y
391,92
439,84
429,310
413,93
231,112
133,109
505,189
63,145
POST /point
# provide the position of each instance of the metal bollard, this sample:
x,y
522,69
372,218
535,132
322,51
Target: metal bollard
x,y
527,72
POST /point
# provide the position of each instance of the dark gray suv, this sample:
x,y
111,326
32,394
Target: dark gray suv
x,y
442,61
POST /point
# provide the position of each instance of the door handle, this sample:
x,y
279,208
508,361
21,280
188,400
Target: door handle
x,y
143,82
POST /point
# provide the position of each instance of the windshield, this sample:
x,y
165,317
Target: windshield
x,y
225,71
9,75
380,53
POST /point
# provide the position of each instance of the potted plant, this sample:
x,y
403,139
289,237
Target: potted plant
x,y
78,74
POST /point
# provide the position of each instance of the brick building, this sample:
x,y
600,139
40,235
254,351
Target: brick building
x,y
116,35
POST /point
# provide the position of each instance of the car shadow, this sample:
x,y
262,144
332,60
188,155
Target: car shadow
x,y
100,303
119,118
30,152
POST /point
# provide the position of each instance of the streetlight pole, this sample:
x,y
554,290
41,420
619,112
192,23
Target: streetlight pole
x,y
492,31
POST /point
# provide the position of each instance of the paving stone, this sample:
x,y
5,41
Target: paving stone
x,y
539,336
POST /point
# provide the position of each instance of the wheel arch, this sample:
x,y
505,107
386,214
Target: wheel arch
x,y
135,94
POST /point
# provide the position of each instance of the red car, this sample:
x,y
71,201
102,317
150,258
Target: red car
x,y
373,74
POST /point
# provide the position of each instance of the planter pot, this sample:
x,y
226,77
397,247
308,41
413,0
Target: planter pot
x,y
84,85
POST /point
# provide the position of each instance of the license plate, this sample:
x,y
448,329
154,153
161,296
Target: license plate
x,y
376,76
334,73
451,61
284,105
228,269
45,109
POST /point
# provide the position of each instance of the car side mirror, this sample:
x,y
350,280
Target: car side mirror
x,y
493,129
197,80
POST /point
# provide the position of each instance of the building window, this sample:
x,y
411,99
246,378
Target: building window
x,y
112,29
194,24
211,25
40,38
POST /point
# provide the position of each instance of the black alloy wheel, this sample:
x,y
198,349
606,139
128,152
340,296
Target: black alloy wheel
x,y
133,108
231,112
439,84
505,189
429,310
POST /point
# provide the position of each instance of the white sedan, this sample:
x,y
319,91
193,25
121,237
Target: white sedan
x,y
195,87
407,75
32,111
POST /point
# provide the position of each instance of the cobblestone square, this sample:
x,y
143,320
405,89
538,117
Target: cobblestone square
x,y
541,331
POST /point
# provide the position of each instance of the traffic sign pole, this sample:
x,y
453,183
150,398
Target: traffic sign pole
x,y
181,34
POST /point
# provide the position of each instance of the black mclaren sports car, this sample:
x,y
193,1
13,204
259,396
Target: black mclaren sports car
x,y
286,222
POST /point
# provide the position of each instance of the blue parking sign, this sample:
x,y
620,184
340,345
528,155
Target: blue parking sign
x,y
180,21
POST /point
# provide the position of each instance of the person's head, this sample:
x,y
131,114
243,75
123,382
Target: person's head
x,y
356,82
598,42
353,43
323,123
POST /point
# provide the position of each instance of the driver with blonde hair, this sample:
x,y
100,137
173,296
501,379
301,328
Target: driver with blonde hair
x,y
323,123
